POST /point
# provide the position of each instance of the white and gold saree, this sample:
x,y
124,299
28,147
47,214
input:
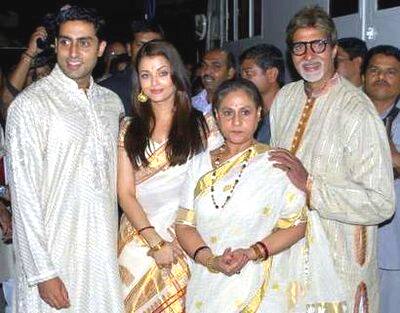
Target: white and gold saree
x,y
146,288
299,279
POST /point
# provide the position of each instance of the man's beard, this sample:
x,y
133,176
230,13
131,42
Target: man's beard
x,y
313,76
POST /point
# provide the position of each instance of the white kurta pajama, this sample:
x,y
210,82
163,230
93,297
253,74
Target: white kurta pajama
x,y
345,149
63,147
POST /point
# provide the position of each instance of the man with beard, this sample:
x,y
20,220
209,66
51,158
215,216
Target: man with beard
x,y
333,146
217,66
382,84
62,142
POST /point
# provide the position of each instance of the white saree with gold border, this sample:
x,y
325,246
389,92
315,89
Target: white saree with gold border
x,y
146,288
299,279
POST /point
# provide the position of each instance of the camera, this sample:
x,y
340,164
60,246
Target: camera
x,y
48,22
43,44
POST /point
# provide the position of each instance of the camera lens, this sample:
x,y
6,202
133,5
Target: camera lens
x,y
42,44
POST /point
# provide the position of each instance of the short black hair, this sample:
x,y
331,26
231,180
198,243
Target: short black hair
x,y
230,58
387,50
266,56
77,13
354,47
146,26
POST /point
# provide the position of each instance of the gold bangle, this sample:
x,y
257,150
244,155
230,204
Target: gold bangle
x,y
158,246
210,265
258,252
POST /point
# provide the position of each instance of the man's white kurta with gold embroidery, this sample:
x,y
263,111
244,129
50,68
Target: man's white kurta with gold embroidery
x,y
62,144
345,149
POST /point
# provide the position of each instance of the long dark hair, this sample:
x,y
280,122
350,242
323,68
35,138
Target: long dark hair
x,y
189,131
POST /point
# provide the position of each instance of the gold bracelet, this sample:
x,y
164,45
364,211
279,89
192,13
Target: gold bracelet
x,y
158,246
210,265
28,55
258,252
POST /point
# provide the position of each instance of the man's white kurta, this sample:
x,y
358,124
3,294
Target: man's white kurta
x,y
345,149
62,144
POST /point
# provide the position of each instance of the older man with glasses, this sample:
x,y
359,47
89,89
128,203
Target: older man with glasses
x,y
333,146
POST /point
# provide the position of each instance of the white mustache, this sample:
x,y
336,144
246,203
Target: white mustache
x,y
311,63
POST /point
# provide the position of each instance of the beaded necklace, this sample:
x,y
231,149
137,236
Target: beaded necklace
x,y
229,196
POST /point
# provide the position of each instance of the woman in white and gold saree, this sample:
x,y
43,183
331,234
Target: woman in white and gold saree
x,y
243,221
155,145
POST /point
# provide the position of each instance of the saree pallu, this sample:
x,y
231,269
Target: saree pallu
x,y
146,288
299,279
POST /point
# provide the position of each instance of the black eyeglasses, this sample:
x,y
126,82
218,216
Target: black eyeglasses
x,y
317,46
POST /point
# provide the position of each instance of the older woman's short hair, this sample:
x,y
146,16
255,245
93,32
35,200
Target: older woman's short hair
x,y
231,85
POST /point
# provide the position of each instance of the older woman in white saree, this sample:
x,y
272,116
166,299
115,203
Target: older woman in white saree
x,y
164,132
242,221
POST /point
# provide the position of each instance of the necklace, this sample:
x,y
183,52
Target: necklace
x,y
229,196
220,153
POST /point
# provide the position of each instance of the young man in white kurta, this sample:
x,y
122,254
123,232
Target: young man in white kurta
x,y
62,140
343,159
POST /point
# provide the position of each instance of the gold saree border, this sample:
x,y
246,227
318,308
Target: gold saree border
x,y
153,283
186,217
293,220
295,290
204,184
158,161
254,303
128,233
326,307
125,275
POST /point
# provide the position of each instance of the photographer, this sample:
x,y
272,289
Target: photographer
x,y
18,78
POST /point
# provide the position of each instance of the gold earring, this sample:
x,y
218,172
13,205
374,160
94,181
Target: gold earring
x,y
141,97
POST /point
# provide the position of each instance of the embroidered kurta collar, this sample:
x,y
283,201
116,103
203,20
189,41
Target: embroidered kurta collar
x,y
68,83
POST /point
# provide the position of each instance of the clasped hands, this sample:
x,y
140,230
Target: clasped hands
x,y
232,261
